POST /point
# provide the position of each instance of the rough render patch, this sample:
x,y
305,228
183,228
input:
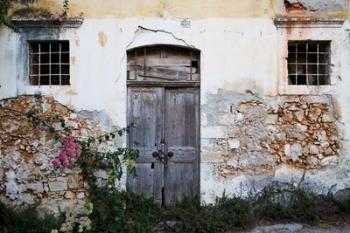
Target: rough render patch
x,y
258,135
316,5
294,6
26,152
102,38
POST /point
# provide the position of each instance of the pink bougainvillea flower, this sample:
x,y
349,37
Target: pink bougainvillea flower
x,y
66,157
56,162
56,17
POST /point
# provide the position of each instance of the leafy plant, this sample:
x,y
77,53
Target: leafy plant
x,y
122,212
5,6
26,220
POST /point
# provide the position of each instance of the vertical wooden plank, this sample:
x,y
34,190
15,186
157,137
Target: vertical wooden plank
x,y
182,137
145,105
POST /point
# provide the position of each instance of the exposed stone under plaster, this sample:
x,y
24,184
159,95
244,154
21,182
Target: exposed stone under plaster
x,y
26,176
247,140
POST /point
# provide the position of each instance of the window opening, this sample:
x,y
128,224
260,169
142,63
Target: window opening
x,y
49,63
309,63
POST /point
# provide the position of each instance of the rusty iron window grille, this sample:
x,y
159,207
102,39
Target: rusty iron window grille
x,y
309,63
49,63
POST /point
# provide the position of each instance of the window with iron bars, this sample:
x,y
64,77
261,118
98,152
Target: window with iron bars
x,y
309,63
49,63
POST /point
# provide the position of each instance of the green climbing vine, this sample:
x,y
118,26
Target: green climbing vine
x,y
5,6
83,152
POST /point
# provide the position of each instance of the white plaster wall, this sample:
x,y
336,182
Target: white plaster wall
x,y
236,54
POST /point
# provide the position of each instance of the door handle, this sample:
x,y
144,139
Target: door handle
x,y
170,154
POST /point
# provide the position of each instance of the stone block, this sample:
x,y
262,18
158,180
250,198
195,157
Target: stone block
x,y
293,151
271,118
60,184
329,161
69,195
36,187
81,195
299,115
213,132
73,181
233,143
101,174
328,117
26,199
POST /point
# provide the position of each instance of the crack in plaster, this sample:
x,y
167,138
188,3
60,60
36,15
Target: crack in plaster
x,y
141,28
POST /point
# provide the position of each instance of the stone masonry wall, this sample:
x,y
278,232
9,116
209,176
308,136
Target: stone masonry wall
x,y
26,176
246,135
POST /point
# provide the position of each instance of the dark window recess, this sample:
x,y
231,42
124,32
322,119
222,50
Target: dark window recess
x,y
49,63
309,63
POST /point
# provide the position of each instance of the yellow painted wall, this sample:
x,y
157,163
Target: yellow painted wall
x,y
192,9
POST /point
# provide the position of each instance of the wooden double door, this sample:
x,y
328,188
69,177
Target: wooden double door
x,y
167,136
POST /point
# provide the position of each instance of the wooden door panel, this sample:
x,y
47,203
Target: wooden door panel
x,y
170,116
144,183
181,135
146,107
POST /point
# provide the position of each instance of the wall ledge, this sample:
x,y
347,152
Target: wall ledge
x,y
308,22
47,23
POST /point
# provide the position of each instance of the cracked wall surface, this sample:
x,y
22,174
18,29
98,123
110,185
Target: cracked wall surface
x,y
251,135
27,177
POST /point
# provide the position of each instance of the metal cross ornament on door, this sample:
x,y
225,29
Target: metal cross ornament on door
x,y
161,155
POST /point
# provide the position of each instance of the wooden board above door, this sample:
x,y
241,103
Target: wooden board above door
x,y
164,64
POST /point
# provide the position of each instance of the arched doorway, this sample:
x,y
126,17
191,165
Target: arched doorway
x,y
163,95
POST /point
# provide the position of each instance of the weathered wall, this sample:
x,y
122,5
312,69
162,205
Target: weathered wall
x,y
250,136
27,176
255,139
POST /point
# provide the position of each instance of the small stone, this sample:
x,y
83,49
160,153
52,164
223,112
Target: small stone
x,y
81,195
10,175
73,181
239,117
328,151
299,115
244,107
232,162
301,128
328,117
271,118
59,185
25,198
313,161
10,126
233,143
329,161
36,187
101,174
293,151
68,195
321,136
314,150
11,187
22,188
292,108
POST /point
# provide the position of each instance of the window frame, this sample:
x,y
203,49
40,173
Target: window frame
x,y
299,29
29,64
307,54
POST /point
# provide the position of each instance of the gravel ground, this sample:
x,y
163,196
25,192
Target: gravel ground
x,y
298,228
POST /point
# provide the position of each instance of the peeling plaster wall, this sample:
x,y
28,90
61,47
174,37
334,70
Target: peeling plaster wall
x,y
26,174
240,66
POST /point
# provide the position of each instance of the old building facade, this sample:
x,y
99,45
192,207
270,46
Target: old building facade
x,y
235,95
